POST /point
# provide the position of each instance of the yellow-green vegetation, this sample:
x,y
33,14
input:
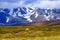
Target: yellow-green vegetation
x,y
34,38
30,32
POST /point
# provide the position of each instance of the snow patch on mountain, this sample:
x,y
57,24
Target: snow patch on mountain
x,y
24,15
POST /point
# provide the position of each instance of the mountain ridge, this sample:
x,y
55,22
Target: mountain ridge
x,y
21,15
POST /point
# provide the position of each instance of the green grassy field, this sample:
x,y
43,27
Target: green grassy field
x,y
30,32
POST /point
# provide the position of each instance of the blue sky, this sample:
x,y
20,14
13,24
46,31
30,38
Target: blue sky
x,y
9,0
16,0
30,3
25,0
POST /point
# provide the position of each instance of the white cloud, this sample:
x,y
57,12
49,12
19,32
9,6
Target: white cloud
x,y
45,4
38,3
11,5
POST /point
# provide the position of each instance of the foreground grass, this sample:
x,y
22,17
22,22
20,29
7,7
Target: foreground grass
x,y
30,32
34,38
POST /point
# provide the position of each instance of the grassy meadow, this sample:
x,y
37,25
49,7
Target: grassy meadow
x,y
30,32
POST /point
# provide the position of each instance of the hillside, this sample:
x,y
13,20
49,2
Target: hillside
x,y
44,23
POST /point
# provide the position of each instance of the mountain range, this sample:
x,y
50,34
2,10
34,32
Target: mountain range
x,y
23,15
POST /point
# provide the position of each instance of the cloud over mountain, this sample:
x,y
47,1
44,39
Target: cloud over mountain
x,y
30,3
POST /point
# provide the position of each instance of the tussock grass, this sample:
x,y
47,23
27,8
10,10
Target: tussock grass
x,y
29,31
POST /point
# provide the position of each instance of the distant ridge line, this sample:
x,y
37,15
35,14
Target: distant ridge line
x,y
44,23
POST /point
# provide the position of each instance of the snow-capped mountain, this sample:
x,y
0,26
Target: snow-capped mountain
x,y
21,15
